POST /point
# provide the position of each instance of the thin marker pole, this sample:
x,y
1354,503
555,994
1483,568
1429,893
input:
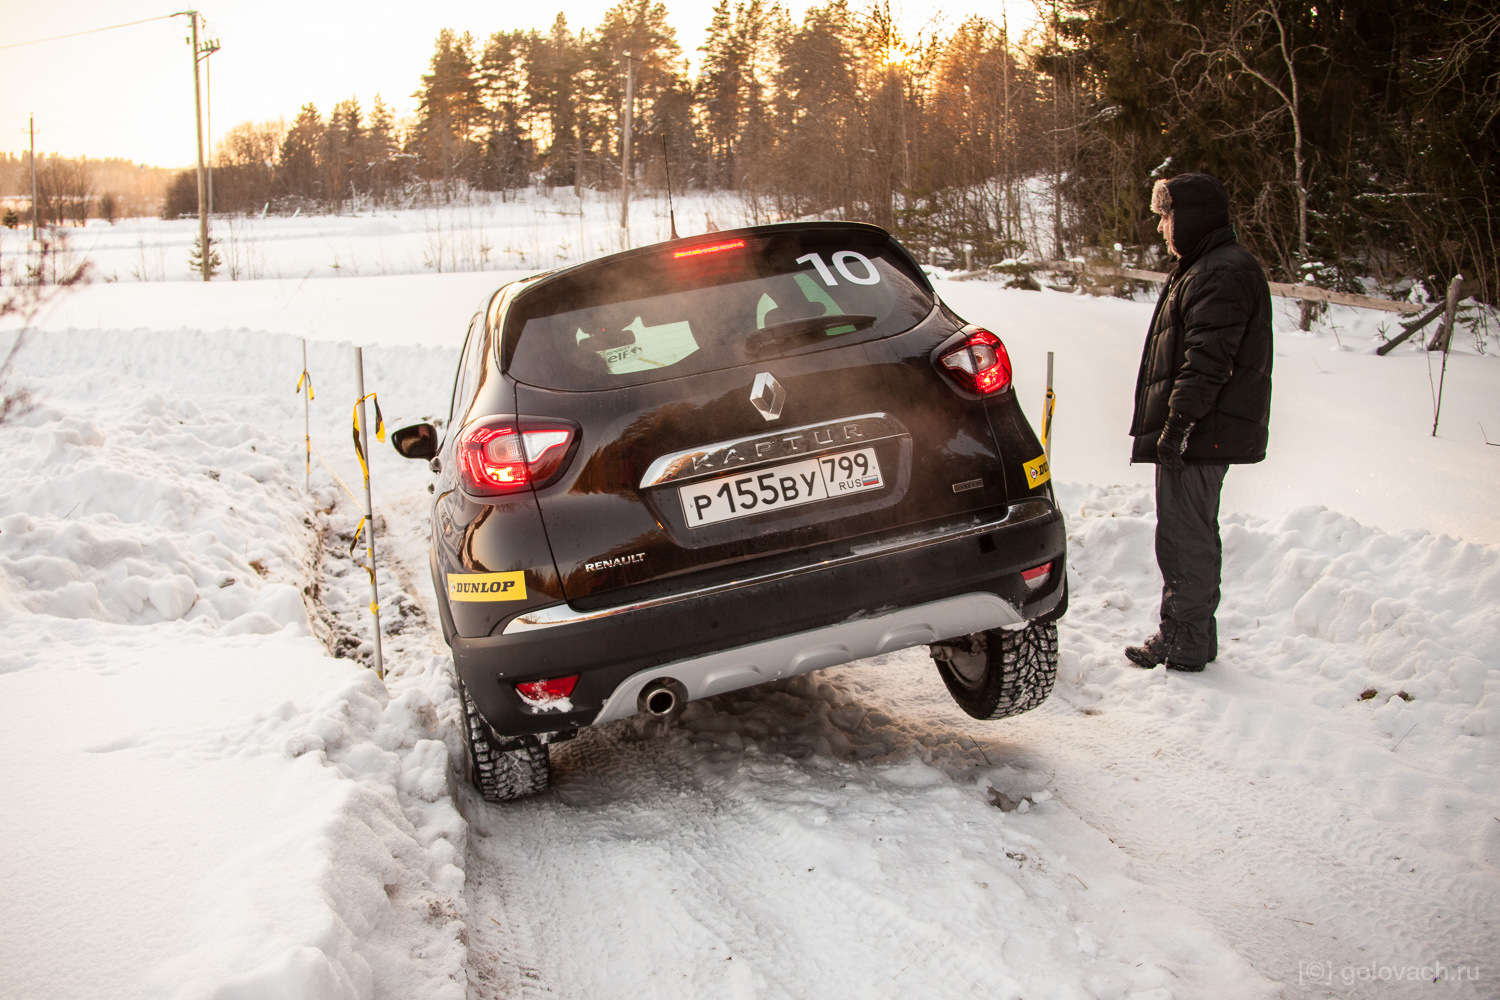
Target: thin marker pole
x,y
364,442
306,417
1047,405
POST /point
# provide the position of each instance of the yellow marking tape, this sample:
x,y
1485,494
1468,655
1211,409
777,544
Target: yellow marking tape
x,y
379,431
306,376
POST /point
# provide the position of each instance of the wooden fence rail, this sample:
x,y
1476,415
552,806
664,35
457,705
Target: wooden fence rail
x,y
1307,293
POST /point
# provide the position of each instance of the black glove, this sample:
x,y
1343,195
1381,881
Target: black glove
x,y
1172,443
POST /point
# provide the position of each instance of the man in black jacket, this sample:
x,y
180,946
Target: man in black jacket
x,y
1202,403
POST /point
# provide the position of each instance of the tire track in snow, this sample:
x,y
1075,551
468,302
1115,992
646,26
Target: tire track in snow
x,y
1254,793
1279,865
499,939
751,852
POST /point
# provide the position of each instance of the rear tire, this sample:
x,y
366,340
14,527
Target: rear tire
x,y
502,770
1001,672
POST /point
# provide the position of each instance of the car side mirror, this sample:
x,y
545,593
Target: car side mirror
x,y
416,441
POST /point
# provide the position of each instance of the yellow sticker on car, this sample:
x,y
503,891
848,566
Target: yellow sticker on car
x,y
487,586
1037,471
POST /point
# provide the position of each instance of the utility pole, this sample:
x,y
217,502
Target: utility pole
x,y
208,120
625,145
33,178
200,53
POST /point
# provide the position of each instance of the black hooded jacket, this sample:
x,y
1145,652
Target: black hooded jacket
x,y
1208,352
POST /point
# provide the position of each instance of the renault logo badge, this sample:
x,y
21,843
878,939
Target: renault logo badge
x,y
767,395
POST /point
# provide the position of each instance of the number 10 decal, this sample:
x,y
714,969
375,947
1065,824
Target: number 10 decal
x,y
841,261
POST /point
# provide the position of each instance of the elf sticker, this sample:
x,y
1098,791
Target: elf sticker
x,y
487,586
1037,472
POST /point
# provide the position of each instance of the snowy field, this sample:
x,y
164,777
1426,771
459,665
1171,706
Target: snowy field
x,y
202,801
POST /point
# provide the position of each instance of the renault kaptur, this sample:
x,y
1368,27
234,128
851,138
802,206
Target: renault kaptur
x,y
710,463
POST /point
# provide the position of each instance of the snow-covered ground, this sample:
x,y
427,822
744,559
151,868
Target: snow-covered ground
x,y
201,801
528,229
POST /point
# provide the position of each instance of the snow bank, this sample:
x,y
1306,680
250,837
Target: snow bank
x,y
1403,624
203,803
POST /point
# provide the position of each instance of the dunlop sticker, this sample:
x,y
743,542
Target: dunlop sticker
x,y
1037,472
487,586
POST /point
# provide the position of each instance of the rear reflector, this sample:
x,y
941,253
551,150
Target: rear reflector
x,y
496,458
547,693
1037,575
980,364
709,248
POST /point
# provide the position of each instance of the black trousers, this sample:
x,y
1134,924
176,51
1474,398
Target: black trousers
x,y
1189,553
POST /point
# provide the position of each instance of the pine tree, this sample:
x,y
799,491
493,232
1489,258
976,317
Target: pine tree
x,y
195,258
508,147
300,154
552,65
450,114
637,29
819,129
343,168
380,153
717,93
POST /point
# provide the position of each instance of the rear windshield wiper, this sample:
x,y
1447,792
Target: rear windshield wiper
x,y
779,336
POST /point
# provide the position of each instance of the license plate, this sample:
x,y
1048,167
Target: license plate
x,y
822,478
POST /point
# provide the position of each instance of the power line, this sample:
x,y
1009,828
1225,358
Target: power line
x,y
91,31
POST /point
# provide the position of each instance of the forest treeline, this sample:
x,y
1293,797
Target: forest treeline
x,y
1357,140
71,190
839,114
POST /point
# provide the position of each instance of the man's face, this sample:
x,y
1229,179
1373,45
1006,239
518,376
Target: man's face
x,y
1165,228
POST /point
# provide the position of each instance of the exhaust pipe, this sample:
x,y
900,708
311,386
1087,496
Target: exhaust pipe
x,y
662,697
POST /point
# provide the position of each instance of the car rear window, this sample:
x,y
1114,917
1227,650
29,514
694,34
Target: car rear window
x,y
729,300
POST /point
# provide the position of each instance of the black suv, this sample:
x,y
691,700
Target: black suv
x,y
709,463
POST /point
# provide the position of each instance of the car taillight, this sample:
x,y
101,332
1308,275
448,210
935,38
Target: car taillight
x,y
1037,575
547,693
495,457
980,364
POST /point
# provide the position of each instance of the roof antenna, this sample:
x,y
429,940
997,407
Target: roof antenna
x,y
668,161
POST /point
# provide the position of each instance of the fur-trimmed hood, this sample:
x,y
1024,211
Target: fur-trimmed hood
x,y
1196,206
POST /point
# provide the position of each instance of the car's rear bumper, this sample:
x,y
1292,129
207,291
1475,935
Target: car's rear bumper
x,y
899,592
803,652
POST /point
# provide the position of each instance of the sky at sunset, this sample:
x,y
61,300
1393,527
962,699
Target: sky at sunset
x,y
128,92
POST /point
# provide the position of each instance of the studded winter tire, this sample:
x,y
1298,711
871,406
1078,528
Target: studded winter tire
x,y
1001,672
502,770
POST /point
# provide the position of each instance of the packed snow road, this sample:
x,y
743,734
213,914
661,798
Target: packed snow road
x,y
1245,833
1314,816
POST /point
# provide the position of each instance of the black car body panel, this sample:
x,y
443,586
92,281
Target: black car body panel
x,y
608,649
813,388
